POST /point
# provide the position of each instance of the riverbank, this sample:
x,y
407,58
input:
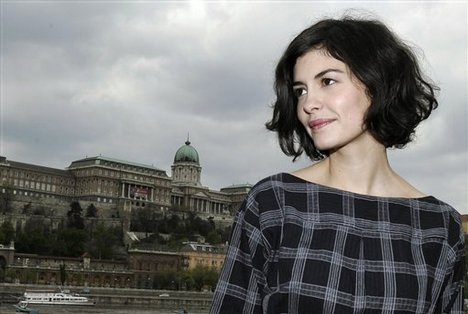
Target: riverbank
x,y
8,309
121,297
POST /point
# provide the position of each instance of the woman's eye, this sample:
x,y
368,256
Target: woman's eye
x,y
298,92
328,81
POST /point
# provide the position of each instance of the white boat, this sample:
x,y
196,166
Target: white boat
x,y
55,298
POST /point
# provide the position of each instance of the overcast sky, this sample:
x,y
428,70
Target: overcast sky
x,y
130,80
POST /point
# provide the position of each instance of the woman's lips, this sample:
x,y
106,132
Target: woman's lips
x,y
318,124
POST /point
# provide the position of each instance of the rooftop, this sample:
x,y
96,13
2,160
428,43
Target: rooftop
x,y
98,159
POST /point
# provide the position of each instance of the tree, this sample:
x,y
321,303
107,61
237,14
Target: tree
x,y
70,242
225,234
204,277
211,278
173,222
143,221
91,211
75,220
187,281
202,226
63,274
104,241
7,233
164,280
36,237
198,274
213,237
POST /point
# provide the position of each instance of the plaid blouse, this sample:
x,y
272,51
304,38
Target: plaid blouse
x,y
300,247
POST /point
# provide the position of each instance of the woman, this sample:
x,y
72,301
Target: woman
x,y
346,234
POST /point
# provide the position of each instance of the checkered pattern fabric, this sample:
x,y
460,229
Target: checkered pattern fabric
x,y
300,247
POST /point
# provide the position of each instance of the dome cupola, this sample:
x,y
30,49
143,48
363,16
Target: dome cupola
x,y
186,153
186,169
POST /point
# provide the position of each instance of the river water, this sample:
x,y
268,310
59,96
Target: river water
x,y
9,309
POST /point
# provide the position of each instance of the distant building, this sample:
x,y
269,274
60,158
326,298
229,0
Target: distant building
x,y
145,264
237,193
34,184
143,269
188,194
195,254
107,180
140,270
118,187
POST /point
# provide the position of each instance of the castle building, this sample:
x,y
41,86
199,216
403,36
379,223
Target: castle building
x,y
35,181
118,187
107,180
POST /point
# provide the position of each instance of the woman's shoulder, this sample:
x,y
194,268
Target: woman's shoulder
x,y
275,181
435,216
432,204
454,225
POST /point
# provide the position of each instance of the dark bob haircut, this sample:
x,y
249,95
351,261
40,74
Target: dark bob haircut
x,y
400,97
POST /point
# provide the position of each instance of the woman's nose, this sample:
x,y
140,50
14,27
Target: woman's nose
x,y
311,103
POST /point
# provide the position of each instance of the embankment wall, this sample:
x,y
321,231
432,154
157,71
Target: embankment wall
x,y
112,296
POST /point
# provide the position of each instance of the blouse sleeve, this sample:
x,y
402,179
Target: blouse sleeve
x,y
241,280
453,294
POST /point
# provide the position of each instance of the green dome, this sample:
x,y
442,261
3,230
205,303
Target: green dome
x,y
186,153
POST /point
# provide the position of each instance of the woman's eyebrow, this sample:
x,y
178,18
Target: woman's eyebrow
x,y
322,73
319,75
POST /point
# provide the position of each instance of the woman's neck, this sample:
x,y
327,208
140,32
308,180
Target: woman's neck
x,y
366,171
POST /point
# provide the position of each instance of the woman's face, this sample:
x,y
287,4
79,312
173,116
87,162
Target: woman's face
x,y
331,102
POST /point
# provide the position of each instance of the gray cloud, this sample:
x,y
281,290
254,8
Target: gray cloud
x,y
130,80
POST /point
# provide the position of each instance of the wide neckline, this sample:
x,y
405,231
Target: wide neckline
x,y
421,198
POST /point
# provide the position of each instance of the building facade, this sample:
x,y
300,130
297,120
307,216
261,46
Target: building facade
x,y
203,255
107,180
140,270
117,187
188,194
